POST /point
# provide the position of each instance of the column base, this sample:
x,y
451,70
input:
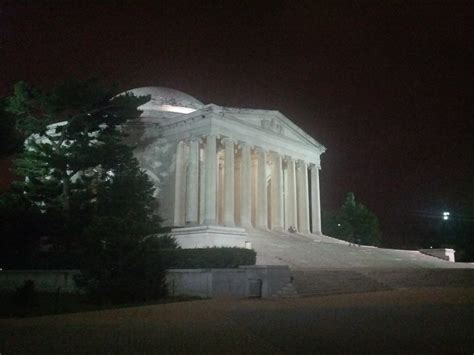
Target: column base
x,y
246,225
229,224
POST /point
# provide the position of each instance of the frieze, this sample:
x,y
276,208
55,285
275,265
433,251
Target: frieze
x,y
272,125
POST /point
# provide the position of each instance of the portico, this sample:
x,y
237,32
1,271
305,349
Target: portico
x,y
222,171
281,186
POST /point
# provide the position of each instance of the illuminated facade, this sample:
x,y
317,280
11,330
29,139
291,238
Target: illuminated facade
x,y
221,172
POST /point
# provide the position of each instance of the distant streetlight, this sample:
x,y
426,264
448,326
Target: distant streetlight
x,y
445,216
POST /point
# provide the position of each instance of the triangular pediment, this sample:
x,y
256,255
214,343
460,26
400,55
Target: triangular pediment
x,y
270,121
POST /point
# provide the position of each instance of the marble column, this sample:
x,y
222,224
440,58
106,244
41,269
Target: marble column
x,y
254,189
179,182
291,206
261,210
303,198
245,189
220,192
229,183
202,186
315,201
237,182
277,222
210,167
192,183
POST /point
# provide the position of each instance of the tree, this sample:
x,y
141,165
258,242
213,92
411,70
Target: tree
x,y
88,186
121,260
74,142
19,225
353,222
10,138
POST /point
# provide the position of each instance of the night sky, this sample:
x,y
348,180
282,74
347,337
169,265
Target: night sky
x,y
386,86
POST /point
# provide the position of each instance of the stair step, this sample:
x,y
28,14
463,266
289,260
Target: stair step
x,y
287,291
325,282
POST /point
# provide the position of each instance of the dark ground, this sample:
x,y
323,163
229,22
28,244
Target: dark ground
x,y
417,321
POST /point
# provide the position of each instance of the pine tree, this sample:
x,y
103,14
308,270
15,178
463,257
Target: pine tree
x,y
89,187
353,222
10,140
74,144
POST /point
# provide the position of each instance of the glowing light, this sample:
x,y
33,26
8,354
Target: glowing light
x,y
177,109
445,216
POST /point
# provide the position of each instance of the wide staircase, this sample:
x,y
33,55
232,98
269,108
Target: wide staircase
x,y
321,252
322,265
318,282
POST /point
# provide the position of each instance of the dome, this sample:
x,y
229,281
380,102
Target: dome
x,y
167,100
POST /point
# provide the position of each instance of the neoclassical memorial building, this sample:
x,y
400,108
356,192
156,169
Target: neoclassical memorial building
x,y
222,172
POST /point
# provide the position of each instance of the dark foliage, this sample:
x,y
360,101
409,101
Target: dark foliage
x,y
353,222
93,202
20,230
120,263
73,143
25,298
10,138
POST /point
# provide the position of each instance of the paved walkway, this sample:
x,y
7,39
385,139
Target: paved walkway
x,y
421,321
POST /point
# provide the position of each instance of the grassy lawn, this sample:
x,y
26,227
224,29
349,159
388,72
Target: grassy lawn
x,y
42,303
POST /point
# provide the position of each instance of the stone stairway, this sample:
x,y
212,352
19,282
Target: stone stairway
x,y
287,291
408,278
320,252
318,282
330,282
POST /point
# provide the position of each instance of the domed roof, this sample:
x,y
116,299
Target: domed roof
x,y
167,100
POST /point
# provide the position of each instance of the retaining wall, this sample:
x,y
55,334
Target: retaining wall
x,y
441,253
245,281
45,280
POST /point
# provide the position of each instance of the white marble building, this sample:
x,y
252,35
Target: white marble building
x,y
221,172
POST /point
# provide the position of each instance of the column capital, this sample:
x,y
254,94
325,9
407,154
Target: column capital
x,y
194,139
227,140
206,136
300,163
242,144
287,158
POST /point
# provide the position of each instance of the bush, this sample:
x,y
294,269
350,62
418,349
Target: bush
x,y
206,258
120,264
25,298
54,260
139,277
